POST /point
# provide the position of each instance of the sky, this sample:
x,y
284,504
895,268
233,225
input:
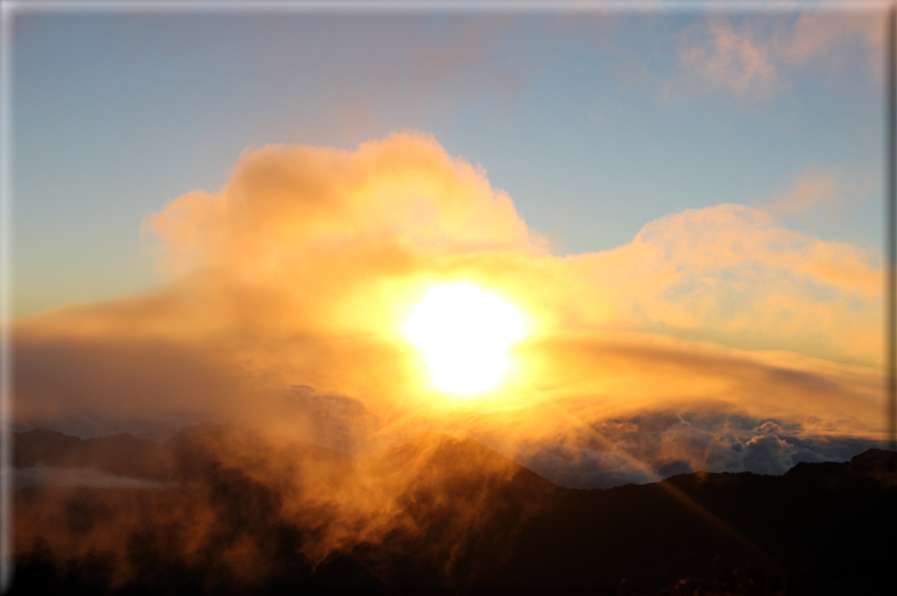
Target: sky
x,y
594,124
217,214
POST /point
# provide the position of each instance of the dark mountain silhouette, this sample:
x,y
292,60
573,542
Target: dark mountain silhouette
x,y
239,513
198,451
121,454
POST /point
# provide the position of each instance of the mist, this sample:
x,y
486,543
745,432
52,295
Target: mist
x,y
287,413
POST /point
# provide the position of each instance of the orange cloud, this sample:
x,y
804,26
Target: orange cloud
x,y
731,273
288,286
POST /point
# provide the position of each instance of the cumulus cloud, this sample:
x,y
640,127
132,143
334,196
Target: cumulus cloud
x,y
287,287
732,274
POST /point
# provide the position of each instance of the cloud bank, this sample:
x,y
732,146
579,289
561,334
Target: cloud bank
x,y
286,290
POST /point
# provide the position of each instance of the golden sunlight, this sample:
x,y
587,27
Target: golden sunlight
x,y
464,333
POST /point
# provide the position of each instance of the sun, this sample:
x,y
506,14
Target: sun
x,y
464,333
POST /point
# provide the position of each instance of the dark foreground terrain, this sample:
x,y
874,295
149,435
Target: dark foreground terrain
x,y
222,511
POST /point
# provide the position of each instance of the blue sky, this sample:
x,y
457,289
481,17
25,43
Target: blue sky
x,y
594,124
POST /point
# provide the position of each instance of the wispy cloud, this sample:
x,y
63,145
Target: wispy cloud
x,y
729,58
757,58
806,192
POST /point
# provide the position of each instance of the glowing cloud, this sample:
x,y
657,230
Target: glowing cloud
x,y
295,288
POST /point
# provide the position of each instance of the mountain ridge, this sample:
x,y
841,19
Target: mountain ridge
x,y
444,514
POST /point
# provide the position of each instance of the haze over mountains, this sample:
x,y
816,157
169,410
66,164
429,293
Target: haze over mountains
x,y
221,509
715,339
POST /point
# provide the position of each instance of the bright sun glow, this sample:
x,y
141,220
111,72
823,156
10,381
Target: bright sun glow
x,y
464,332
